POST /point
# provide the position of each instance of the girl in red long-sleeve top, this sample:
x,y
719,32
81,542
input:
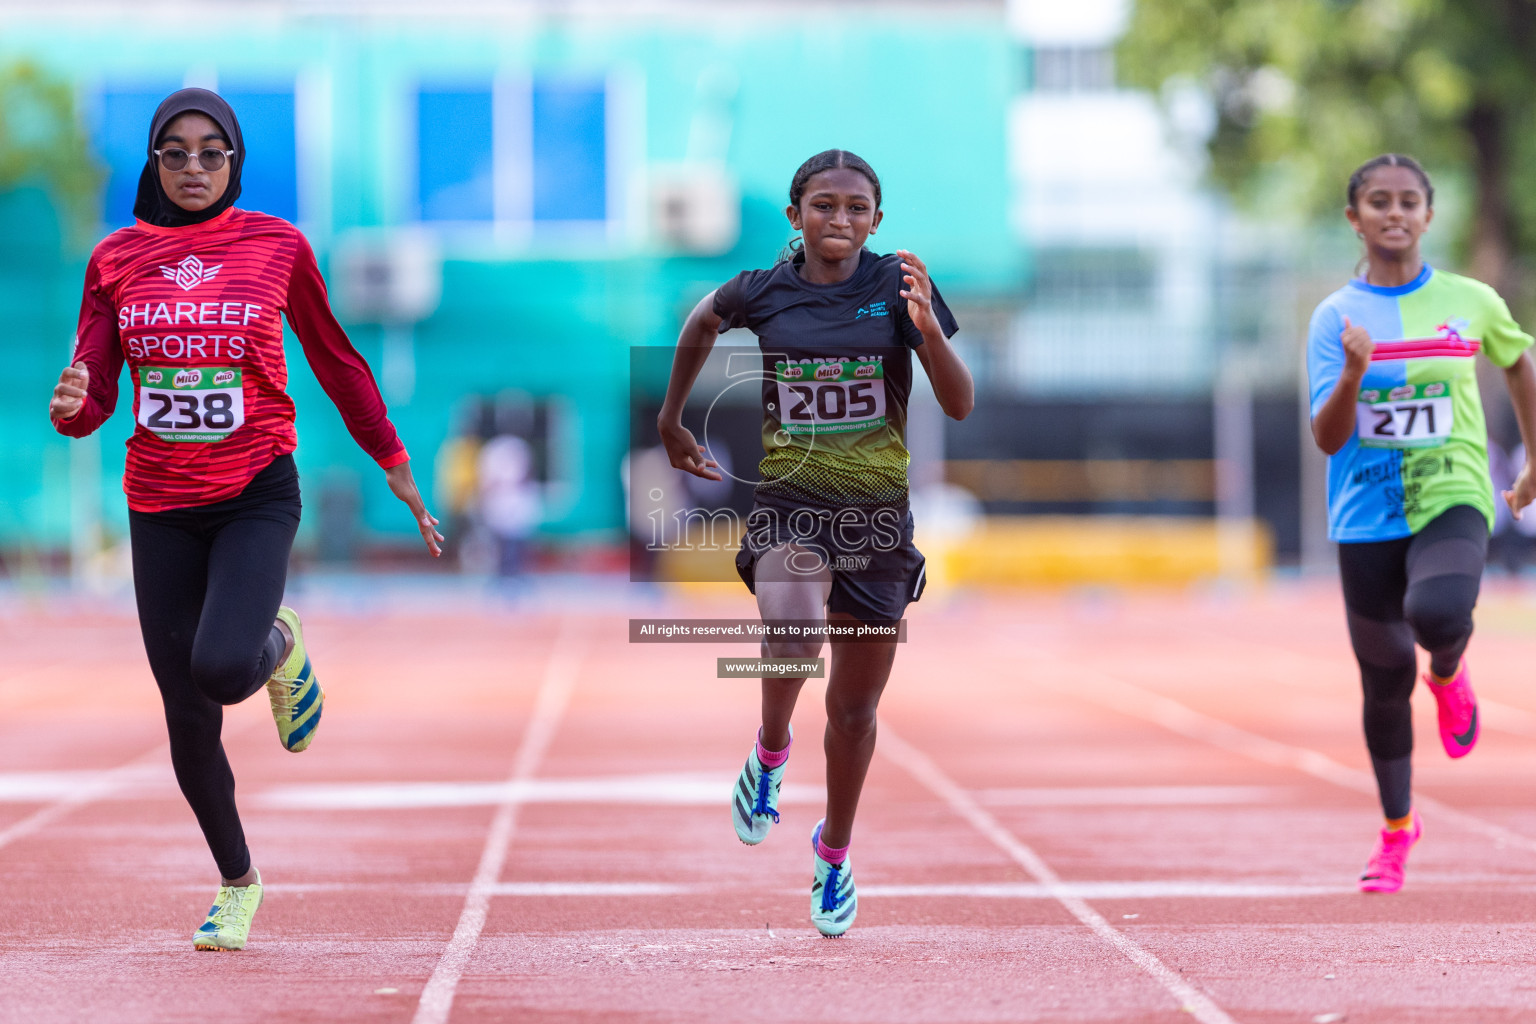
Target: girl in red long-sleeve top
x,y
191,298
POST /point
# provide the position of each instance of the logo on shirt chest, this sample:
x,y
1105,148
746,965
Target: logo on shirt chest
x,y
873,309
1452,328
190,273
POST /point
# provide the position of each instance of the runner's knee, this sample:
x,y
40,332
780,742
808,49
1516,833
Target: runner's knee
x,y
221,677
1440,612
852,721
791,648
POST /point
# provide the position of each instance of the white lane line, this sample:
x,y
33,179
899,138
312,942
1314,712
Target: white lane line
x,y
1159,890
1177,888
87,787
47,786
1133,796
548,708
677,788
1133,700
1495,714
1153,889
1190,999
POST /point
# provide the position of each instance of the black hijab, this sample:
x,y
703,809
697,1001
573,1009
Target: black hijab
x,y
152,205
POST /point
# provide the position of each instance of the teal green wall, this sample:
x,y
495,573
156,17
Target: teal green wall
x,y
923,98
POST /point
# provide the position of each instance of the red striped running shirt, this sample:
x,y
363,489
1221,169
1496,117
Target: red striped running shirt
x,y
196,312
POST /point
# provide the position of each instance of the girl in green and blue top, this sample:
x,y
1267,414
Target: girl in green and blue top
x,y
1391,362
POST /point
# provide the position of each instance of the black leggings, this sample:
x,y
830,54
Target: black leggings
x,y
1421,588
209,580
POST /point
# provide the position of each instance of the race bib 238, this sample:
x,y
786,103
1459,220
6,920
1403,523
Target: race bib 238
x,y
191,404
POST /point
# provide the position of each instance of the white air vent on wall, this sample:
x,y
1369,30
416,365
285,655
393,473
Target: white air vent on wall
x,y
695,208
386,277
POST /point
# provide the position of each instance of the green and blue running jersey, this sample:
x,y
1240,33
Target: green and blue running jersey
x,y
837,372
1420,443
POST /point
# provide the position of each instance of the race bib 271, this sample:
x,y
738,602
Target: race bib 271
x,y
1407,416
191,404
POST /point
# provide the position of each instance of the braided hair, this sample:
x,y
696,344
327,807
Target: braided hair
x,y
826,160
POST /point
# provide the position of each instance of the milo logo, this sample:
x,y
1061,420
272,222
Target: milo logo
x,y
187,379
866,370
1434,390
829,371
223,377
793,372
1398,393
153,377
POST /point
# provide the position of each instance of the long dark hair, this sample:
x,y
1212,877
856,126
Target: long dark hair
x,y
826,160
1357,180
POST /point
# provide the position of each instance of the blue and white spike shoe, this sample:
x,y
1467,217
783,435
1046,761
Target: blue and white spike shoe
x,y
755,799
295,693
834,901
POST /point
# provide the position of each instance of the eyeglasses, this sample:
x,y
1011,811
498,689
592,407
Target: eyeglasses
x,y
210,159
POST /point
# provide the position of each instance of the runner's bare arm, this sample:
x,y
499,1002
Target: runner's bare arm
x,y
952,383
403,484
1335,421
694,343
1521,378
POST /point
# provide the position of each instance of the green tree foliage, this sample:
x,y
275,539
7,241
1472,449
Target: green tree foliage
x,y
43,144
1306,90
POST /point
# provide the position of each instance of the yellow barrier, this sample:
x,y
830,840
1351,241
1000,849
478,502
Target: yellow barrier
x,y
1049,551
1073,550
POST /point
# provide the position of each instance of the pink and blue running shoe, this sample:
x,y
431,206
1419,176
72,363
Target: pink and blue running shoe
x,y
1389,861
755,799
1457,707
834,901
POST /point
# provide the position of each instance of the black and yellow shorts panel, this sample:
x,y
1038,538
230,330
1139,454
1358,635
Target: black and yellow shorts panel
x,y
876,568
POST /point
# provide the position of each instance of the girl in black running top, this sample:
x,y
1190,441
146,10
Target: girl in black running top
x,y
830,535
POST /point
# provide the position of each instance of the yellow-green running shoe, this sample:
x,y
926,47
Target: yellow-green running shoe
x,y
296,696
229,919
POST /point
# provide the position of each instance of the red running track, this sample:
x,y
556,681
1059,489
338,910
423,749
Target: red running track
x,y
1111,808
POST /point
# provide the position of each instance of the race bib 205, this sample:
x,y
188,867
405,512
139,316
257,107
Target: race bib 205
x,y
831,398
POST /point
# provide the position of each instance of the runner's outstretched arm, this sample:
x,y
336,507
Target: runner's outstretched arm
x,y
952,383
345,376
1521,378
694,343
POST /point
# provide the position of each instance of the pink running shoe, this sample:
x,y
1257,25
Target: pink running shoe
x,y
1459,727
1389,860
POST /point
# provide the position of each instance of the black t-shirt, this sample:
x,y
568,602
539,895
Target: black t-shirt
x,y
837,371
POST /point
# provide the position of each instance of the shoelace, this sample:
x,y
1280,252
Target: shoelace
x,y
830,900
761,807
285,699
231,905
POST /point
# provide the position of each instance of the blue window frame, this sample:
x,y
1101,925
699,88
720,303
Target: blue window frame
x,y
545,160
120,132
570,151
269,181
455,155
